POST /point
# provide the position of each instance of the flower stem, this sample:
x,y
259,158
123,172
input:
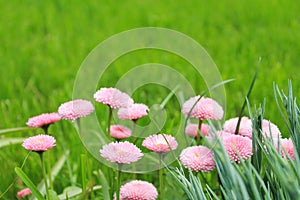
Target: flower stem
x,y
44,174
161,176
199,132
118,181
109,120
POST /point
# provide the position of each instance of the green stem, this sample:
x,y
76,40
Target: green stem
x,y
199,132
49,172
161,176
83,172
109,121
118,181
44,174
79,126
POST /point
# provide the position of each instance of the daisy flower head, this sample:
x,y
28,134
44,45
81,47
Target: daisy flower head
x,y
24,192
138,190
236,145
43,120
245,128
286,147
113,97
270,130
205,108
39,143
192,130
75,109
133,112
198,158
119,131
161,143
121,152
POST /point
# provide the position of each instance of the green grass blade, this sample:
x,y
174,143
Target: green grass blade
x,y
7,141
247,97
105,186
29,183
13,130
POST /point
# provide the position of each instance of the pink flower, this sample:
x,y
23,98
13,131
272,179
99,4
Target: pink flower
x,y
205,108
119,131
138,190
121,152
270,130
75,109
39,143
198,158
160,143
43,120
286,147
238,145
218,135
133,112
245,128
192,130
24,192
113,98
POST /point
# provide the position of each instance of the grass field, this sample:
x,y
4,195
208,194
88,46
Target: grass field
x,y
43,45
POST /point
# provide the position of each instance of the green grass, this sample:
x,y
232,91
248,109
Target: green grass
x,y
44,44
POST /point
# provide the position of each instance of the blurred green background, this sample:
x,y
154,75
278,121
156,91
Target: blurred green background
x,y
43,44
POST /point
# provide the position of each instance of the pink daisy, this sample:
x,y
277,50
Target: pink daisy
x,y
119,131
205,108
160,143
39,143
113,98
287,147
138,190
270,130
198,158
133,112
238,145
43,120
75,109
192,130
245,128
121,152
213,137
24,192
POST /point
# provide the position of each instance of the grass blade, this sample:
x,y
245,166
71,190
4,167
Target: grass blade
x,y
29,183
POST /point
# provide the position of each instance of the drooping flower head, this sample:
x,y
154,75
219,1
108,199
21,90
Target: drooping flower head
x,y
24,192
75,109
119,131
113,97
270,130
161,143
138,190
133,112
43,120
236,145
198,158
205,108
192,130
121,152
245,128
39,143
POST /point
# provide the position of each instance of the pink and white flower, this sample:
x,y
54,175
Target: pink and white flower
x,y
75,109
138,190
205,108
161,143
121,152
198,158
133,112
113,98
43,120
39,143
119,131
